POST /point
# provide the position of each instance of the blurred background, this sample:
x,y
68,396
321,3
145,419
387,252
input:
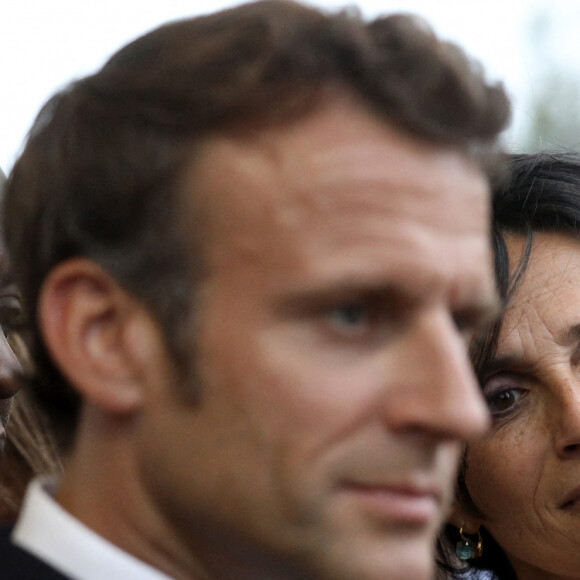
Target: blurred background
x,y
532,45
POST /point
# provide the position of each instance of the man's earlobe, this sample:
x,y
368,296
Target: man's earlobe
x,y
89,324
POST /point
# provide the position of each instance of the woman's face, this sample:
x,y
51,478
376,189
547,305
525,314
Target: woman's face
x,y
524,474
9,311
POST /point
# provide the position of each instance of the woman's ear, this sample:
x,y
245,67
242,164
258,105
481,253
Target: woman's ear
x,y
460,518
101,337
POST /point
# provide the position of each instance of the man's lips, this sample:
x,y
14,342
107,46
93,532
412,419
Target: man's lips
x,y
399,502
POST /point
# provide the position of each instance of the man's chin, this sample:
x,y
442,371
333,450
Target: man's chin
x,y
399,557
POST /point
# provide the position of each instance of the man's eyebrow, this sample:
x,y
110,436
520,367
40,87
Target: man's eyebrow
x,y
354,286
312,295
492,309
483,312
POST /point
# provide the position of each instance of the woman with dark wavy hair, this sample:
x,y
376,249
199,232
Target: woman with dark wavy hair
x,y
517,513
27,443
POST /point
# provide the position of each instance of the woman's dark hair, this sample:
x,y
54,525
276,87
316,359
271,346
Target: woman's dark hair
x,y
540,194
30,448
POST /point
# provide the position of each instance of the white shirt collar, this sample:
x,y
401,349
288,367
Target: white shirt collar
x,y
49,532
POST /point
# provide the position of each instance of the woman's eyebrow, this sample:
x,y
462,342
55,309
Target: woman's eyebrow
x,y
504,363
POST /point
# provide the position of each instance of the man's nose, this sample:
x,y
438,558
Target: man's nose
x,y
432,387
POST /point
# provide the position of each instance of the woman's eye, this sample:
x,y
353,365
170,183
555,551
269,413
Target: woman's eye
x,y
503,401
503,393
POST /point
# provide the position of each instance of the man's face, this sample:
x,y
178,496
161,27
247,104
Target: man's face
x,y
347,264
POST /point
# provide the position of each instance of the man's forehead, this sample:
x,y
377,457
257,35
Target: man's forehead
x,y
367,210
336,158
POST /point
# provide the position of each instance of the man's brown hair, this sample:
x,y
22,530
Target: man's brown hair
x,y
100,173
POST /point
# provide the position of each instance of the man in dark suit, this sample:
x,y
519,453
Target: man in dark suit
x,y
21,564
253,247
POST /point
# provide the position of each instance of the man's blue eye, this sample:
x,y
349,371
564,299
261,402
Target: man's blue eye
x,y
349,315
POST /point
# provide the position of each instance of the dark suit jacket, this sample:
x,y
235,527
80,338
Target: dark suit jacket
x,y
17,564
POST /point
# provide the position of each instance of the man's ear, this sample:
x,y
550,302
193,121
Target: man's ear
x,y
101,338
460,518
